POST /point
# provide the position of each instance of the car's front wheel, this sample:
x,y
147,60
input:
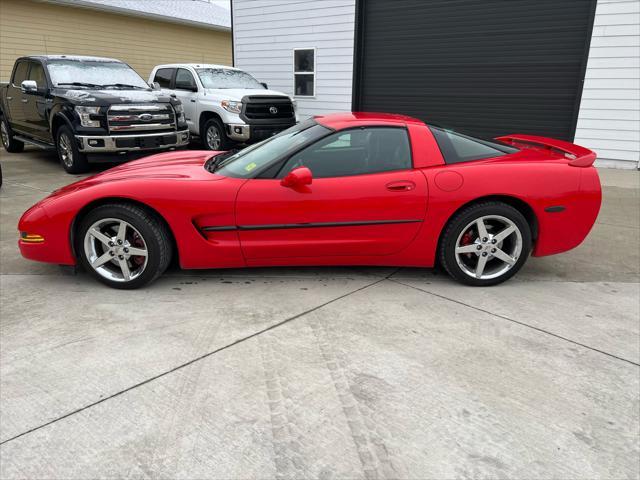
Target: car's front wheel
x,y
122,245
214,136
485,244
71,158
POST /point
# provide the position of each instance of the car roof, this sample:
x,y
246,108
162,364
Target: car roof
x,y
340,121
195,65
80,58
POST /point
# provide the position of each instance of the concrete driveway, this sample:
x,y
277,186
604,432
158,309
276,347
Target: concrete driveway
x,y
322,372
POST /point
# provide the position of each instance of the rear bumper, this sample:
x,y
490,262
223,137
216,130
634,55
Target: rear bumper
x,y
563,229
127,143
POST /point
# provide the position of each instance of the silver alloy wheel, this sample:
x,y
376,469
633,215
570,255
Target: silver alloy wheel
x,y
66,150
213,137
116,250
488,247
5,134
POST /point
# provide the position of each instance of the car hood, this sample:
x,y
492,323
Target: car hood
x,y
178,166
112,96
236,94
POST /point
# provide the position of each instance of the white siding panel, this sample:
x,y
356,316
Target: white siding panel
x,y
609,119
266,32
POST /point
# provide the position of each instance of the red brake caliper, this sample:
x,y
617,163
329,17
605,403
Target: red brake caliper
x,y
137,242
467,239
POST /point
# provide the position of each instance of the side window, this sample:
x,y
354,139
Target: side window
x,y
184,80
163,77
304,72
355,152
37,73
20,73
457,148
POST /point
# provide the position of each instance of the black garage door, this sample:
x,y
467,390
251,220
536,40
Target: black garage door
x,y
487,67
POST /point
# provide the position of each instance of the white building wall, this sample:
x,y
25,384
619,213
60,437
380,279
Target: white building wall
x,y
265,32
609,119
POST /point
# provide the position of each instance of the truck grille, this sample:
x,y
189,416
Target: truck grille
x,y
154,117
266,109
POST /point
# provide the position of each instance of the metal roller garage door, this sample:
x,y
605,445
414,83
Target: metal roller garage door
x,y
487,67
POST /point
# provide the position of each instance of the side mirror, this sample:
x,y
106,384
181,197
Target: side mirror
x,y
154,85
298,177
29,86
264,85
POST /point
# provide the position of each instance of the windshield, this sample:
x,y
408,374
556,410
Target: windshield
x,y
246,163
226,78
93,74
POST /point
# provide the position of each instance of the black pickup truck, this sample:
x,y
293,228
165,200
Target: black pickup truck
x,y
88,108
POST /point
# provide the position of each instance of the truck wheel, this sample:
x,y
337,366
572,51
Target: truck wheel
x,y
9,143
72,160
485,244
123,245
214,136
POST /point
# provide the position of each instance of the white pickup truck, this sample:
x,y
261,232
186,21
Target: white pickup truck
x,y
225,105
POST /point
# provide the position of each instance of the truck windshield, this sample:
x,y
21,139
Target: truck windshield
x,y
93,74
226,78
256,158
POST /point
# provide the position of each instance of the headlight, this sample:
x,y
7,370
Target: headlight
x,y
295,104
85,114
231,106
180,113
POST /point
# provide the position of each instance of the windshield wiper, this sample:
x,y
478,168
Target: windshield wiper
x,y
81,84
214,162
123,85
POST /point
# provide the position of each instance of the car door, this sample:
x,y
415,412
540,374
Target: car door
x,y
365,200
35,104
186,89
15,97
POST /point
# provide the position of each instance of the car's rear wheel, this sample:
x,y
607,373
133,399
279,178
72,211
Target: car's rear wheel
x,y
214,136
485,244
123,245
72,159
9,143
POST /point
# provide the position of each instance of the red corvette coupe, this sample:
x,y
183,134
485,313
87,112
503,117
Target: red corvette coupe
x,y
342,189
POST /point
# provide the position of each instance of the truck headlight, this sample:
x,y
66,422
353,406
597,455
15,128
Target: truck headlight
x,y
231,106
85,114
180,114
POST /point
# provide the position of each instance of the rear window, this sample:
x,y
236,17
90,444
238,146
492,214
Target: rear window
x,y
163,77
456,147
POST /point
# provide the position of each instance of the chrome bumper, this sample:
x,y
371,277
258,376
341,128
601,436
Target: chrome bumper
x,y
239,132
149,141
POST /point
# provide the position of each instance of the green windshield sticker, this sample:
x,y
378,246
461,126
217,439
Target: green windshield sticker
x,y
251,166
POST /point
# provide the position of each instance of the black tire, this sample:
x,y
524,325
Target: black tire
x,y
72,160
156,241
223,142
9,143
460,226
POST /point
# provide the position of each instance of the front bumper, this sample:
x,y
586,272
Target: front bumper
x,y
128,143
241,132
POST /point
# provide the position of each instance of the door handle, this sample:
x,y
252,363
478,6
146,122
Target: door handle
x,y
9,98
193,101
401,186
25,100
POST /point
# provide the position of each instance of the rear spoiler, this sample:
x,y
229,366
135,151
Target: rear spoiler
x,y
578,156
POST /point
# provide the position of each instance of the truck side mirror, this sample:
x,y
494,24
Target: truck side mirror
x,y
264,85
154,85
29,87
